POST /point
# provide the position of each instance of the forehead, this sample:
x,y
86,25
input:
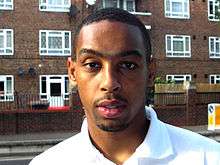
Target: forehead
x,y
111,36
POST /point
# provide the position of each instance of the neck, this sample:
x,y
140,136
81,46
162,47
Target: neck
x,y
119,146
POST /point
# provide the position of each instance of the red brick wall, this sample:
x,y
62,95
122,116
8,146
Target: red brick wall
x,y
175,115
39,121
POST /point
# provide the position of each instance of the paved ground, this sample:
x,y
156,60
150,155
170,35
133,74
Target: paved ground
x,y
15,161
36,136
202,129
13,148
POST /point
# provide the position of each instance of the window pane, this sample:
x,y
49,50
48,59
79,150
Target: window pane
x,y
9,39
211,7
130,6
187,43
212,45
43,85
55,2
66,84
176,6
66,2
169,43
169,77
55,42
66,40
9,85
217,47
2,87
187,78
167,5
178,46
110,3
1,41
212,80
43,39
186,6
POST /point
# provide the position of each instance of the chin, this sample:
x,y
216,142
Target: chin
x,y
112,127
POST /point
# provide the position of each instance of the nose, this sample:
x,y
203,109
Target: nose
x,y
110,80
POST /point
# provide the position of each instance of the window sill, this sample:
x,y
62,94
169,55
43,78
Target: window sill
x,y
56,11
141,13
56,55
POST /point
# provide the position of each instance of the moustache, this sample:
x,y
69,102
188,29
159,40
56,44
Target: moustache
x,y
111,97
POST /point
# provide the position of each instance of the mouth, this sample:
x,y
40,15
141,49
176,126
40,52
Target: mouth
x,y
111,109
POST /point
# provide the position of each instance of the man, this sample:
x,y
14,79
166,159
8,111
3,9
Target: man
x,y
110,68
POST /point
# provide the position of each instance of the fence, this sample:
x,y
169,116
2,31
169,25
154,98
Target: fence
x,y
28,101
185,104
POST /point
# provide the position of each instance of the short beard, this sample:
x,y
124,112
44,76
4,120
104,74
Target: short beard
x,y
109,128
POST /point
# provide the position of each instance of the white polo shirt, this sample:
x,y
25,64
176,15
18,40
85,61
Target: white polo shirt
x,y
163,145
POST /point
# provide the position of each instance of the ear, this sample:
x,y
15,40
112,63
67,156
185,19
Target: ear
x,y
71,72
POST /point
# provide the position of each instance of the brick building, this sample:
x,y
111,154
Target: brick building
x,y
36,40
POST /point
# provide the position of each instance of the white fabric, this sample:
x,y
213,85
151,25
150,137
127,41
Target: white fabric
x,y
163,145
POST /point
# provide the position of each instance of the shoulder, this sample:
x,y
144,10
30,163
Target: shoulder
x,y
61,153
189,140
190,145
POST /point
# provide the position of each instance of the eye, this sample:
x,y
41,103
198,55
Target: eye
x,y
128,65
92,66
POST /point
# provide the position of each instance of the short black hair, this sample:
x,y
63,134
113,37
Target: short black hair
x,y
119,15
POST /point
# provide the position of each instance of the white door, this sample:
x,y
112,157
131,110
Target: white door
x,y
55,92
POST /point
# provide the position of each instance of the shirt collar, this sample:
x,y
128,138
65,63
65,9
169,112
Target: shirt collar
x,y
156,145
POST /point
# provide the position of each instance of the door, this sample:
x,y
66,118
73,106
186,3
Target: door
x,y
56,97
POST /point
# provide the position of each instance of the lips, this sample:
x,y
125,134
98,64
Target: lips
x,y
111,109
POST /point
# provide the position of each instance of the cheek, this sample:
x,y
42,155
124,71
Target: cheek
x,y
137,89
86,88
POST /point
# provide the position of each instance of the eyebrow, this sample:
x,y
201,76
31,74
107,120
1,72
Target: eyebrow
x,y
122,54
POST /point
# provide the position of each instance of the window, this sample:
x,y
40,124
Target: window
x,y
57,43
54,86
128,5
55,5
6,4
214,47
178,46
214,79
6,88
6,42
177,9
213,7
179,78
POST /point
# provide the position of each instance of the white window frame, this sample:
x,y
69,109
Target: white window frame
x,y
124,4
5,49
46,95
176,77
45,6
171,53
50,52
216,78
7,96
168,5
6,5
211,16
212,50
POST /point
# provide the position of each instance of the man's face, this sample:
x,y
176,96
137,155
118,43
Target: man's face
x,y
111,73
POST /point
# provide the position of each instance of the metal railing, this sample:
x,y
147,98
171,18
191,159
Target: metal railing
x,y
28,101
